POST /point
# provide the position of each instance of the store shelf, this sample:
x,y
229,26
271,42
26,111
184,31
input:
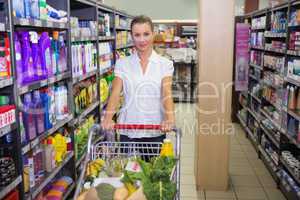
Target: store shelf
x,y
255,97
269,118
292,81
50,176
252,139
287,190
43,83
291,139
241,121
81,117
270,135
123,28
47,133
80,160
84,76
84,39
256,66
283,162
269,163
257,118
39,23
258,29
125,46
278,107
104,71
106,38
293,53
274,50
244,106
294,114
6,82
276,87
253,77
257,48
102,105
7,129
6,190
269,34
69,191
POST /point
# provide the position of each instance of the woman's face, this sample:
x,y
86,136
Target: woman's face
x,y
142,36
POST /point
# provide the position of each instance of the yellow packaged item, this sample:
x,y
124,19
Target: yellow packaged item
x,y
60,147
167,148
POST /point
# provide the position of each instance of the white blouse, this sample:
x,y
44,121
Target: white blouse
x,y
142,92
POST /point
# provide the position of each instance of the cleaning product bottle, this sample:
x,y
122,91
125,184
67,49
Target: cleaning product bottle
x,y
27,69
60,147
46,57
286,96
55,52
19,65
167,148
49,156
298,101
18,8
27,6
22,129
31,171
34,9
7,57
62,61
29,123
51,94
46,104
40,115
43,10
36,59
292,99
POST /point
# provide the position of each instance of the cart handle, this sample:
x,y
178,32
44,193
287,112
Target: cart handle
x,y
137,127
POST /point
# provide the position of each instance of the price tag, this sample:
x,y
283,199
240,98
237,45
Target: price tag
x,y
44,83
35,142
24,21
25,149
24,89
62,25
2,26
50,24
37,23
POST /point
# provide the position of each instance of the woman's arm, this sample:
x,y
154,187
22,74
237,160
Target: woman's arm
x,y
168,104
113,102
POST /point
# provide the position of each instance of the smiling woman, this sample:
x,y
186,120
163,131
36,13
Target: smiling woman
x,y
145,79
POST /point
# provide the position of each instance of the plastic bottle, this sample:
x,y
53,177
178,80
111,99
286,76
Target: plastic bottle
x,y
54,53
39,112
46,104
49,156
27,68
298,101
292,99
18,9
27,6
36,58
28,115
46,57
22,129
62,62
51,95
18,53
31,172
286,96
34,9
43,9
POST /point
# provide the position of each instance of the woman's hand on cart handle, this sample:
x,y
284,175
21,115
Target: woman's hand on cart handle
x,y
108,124
167,126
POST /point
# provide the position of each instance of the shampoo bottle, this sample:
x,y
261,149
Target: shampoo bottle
x,y
55,52
62,61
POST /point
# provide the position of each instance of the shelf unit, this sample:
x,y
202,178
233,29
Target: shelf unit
x,y
272,125
74,8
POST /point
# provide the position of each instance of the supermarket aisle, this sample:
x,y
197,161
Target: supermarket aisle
x,y
248,176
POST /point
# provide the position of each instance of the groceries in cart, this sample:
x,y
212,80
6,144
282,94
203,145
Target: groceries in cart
x,y
120,171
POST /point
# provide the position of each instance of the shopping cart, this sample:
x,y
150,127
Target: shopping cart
x,y
106,150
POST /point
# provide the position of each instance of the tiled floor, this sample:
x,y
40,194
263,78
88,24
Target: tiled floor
x,y
249,179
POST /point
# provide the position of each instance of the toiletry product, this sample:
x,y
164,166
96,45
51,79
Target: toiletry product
x,y
62,60
3,59
36,57
22,129
46,57
18,8
27,69
52,110
34,9
286,96
6,70
39,112
26,178
31,172
43,10
55,52
28,117
49,156
19,65
27,6
292,99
